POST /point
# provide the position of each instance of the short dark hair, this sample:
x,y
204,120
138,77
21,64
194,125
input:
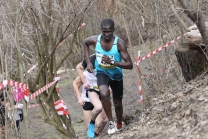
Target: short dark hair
x,y
107,22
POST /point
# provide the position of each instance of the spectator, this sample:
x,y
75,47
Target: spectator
x,y
14,112
2,115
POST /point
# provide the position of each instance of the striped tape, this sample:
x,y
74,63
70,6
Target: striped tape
x,y
159,49
34,105
38,92
60,107
139,82
14,84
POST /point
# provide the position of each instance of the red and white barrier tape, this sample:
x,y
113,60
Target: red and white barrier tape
x,y
64,125
34,66
159,49
1,86
38,92
140,92
139,59
60,107
34,105
64,40
139,82
83,24
64,112
13,83
57,87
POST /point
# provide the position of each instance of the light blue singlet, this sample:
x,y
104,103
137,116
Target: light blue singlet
x,y
114,73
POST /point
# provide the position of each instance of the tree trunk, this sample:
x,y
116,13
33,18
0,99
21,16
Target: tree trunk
x,y
192,61
20,72
198,18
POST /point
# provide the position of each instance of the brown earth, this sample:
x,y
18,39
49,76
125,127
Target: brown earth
x,y
180,113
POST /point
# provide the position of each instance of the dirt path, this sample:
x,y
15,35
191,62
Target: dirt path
x,y
41,130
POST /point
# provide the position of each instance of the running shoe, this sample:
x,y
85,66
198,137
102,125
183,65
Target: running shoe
x,y
90,130
111,128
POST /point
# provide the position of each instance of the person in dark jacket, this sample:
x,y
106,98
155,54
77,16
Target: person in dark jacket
x,y
2,115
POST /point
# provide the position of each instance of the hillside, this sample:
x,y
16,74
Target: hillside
x,y
179,113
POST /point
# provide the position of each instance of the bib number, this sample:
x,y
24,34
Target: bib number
x,y
102,64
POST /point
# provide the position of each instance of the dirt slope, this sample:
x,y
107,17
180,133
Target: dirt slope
x,y
180,113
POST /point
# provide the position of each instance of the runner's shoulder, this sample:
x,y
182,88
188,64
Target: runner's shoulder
x,y
92,38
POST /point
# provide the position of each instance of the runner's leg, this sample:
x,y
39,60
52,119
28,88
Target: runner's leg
x,y
103,84
118,110
102,81
95,100
103,119
87,116
117,88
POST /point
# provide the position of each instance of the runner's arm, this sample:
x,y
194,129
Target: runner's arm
x,y
87,42
76,85
127,63
80,69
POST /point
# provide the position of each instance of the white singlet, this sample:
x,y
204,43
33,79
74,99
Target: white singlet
x,y
92,80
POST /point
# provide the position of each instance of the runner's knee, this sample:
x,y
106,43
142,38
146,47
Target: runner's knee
x,y
105,120
104,95
98,109
118,105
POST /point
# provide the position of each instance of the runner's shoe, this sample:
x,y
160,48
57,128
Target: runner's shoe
x,y
90,130
118,131
96,135
111,128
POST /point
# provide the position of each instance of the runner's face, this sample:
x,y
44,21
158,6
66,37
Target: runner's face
x,y
107,32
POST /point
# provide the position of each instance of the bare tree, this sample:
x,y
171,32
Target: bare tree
x,y
37,29
32,31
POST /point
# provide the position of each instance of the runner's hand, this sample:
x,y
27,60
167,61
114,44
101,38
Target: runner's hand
x,y
81,101
89,67
86,85
106,59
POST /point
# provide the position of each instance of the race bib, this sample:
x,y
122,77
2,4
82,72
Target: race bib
x,y
102,64
94,85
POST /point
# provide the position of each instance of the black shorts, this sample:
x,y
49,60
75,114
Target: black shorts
x,y
116,86
93,90
88,106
